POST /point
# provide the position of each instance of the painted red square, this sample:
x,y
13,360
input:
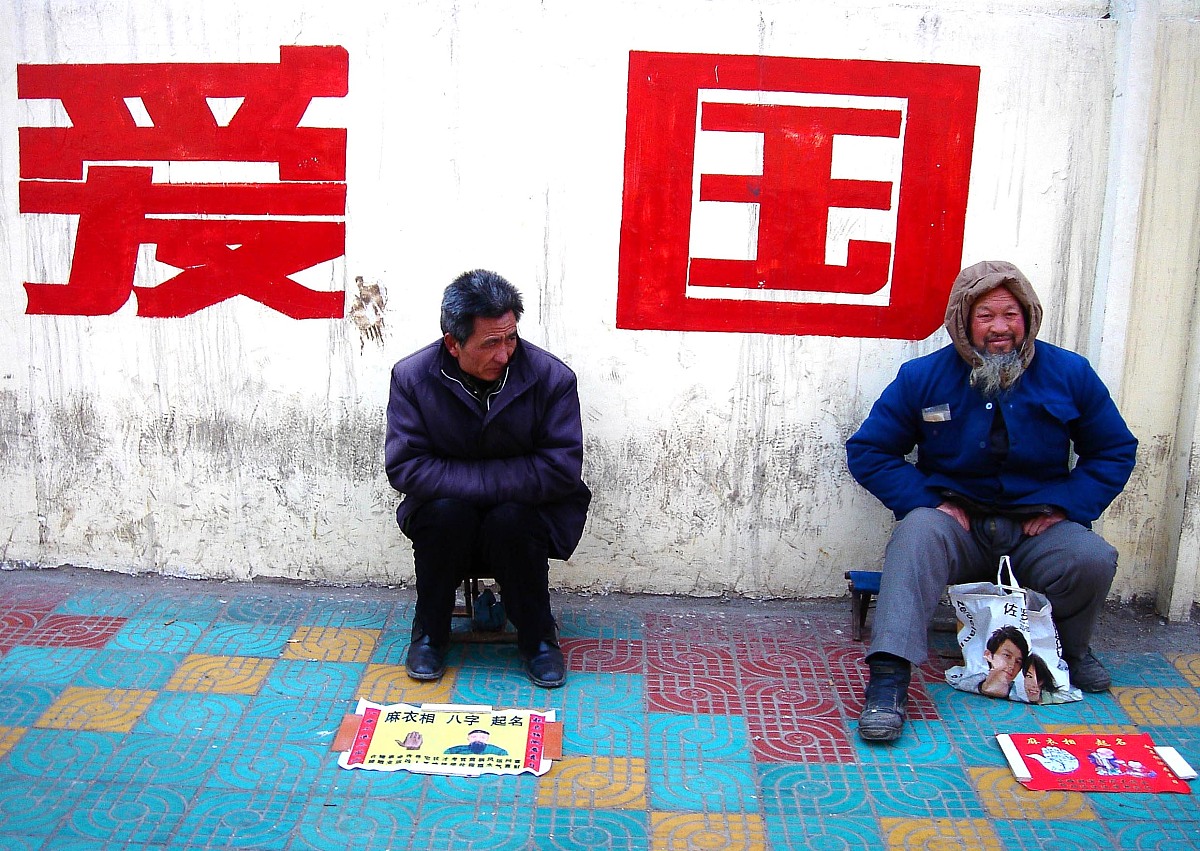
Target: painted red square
x,y
73,631
798,108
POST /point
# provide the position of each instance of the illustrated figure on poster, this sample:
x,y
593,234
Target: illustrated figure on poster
x,y
1106,762
485,442
996,421
477,743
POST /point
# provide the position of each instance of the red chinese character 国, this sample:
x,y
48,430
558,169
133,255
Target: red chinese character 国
x,y
832,251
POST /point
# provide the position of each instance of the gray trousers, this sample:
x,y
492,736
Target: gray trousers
x,y
1072,565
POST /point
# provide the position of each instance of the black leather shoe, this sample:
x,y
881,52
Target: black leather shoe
x,y
546,667
1088,674
883,717
426,661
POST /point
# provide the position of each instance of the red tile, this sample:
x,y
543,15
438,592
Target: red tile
x,y
701,660
604,655
697,695
771,698
73,631
791,738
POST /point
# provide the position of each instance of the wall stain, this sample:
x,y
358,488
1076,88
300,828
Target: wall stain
x,y
366,312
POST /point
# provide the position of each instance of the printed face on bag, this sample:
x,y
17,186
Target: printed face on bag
x,y
1007,658
1033,689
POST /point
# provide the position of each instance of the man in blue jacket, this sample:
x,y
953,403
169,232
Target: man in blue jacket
x,y
995,421
484,440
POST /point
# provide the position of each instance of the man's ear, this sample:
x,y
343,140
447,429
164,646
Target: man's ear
x,y
451,345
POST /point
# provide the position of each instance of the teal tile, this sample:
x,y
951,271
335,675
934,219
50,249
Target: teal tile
x,y
194,608
392,647
227,639
461,827
1074,835
596,732
1153,836
351,612
335,823
698,739
63,755
925,791
157,636
1095,710
266,610
486,792
164,760
234,818
291,767
34,806
110,603
829,833
1144,670
133,815
300,678
1144,806
682,786
130,669
575,830
45,665
615,693
283,719
22,704
922,743
813,789
580,620
182,713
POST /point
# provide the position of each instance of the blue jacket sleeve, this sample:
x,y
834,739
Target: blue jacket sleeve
x,y
876,452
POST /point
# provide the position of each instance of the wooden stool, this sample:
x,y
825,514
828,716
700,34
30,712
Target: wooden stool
x,y
864,585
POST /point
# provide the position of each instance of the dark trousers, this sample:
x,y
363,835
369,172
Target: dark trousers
x,y
453,539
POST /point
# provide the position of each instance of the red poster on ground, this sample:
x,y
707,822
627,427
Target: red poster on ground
x,y
1087,762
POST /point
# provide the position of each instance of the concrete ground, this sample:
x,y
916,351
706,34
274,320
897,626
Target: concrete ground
x,y
153,713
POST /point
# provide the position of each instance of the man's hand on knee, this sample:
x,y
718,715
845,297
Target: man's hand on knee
x,y
958,513
1041,522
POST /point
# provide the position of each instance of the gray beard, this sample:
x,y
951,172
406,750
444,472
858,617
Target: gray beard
x,y
997,373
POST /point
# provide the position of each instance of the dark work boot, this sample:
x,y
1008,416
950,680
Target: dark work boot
x,y
883,716
426,660
545,665
1087,673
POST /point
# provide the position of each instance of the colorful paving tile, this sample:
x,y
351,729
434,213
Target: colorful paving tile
x,y
146,713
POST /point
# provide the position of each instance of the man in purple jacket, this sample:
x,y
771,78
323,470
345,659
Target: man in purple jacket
x,y
485,442
995,421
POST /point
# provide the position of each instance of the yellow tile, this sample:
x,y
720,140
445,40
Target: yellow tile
x,y
1090,729
595,783
1003,797
112,710
684,831
1188,664
974,833
9,736
390,684
1160,707
331,644
220,674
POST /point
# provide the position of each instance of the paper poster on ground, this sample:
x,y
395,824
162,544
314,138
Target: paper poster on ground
x,y
459,740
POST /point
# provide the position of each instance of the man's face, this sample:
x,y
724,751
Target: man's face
x,y
477,736
997,323
488,350
1007,658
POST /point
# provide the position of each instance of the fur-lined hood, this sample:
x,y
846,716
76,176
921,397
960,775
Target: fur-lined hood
x,y
971,283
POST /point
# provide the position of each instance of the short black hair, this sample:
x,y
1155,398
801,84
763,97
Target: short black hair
x,y
477,293
1008,633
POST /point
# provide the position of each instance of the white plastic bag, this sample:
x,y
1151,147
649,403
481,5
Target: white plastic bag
x,y
1009,644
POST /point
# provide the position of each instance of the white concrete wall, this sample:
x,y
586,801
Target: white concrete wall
x,y
238,442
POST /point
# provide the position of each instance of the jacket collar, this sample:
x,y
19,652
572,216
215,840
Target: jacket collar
x,y
519,379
